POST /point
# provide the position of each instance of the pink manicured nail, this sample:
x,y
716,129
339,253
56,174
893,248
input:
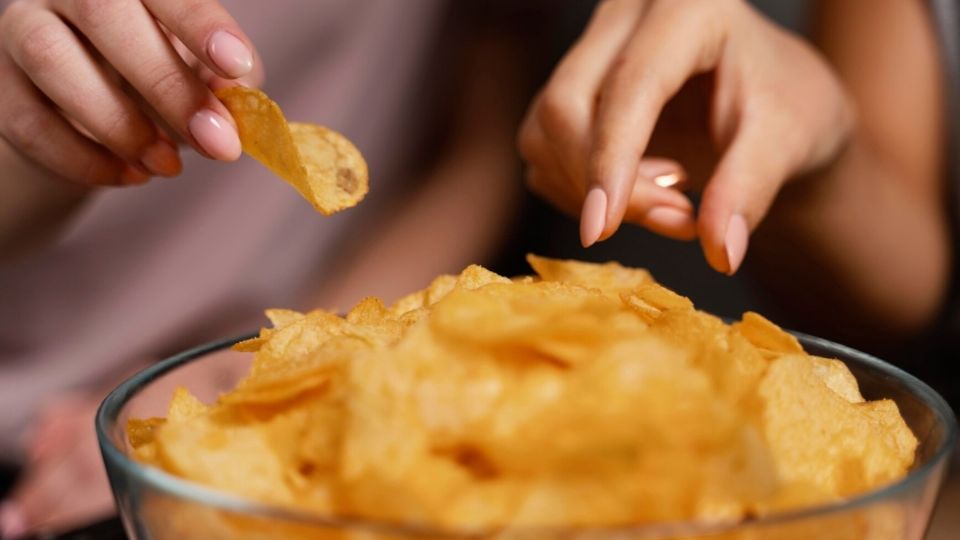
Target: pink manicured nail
x,y
215,135
662,172
13,523
736,240
593,217
132,176
161,159
230,54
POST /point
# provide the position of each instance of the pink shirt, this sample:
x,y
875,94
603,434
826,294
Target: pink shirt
x,y
144,272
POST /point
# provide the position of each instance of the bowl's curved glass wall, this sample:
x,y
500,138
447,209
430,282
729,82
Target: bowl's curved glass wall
x,y
155,505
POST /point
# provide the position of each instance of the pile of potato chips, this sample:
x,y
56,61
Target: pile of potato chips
x,y
588,395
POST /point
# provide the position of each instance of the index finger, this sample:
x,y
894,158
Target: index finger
x,y
675,41
211,34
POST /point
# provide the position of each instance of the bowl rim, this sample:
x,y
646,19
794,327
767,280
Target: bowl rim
x,y
110,408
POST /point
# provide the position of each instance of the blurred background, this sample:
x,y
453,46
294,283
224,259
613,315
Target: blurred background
x,y
451,137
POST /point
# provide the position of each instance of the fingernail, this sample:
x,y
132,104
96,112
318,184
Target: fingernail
x,y
667,180
230,54
215,135
161,159
593,217
736,240
13,523
132,176
671,219
662,172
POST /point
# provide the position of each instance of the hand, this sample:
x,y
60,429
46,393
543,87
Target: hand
x,y
775,111
91,87
64,484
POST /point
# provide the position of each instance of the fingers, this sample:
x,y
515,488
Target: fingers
x,y
566,107
656,202
209,32
637,89
741,191
131,41
30,124
60,66
556,135
46,494
544,175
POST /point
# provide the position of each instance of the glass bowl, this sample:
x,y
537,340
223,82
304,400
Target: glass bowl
x,y
157,505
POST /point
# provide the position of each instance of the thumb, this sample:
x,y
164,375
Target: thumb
x,y
738,196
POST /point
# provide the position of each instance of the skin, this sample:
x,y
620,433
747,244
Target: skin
x,y
96,93
830,150
470,187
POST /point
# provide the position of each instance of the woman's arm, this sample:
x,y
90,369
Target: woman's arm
x,y
861,250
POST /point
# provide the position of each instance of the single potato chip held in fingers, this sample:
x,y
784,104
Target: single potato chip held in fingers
x,y
325,167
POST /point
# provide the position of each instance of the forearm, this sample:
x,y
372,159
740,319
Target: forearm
x,y
856,250
869,235
33,203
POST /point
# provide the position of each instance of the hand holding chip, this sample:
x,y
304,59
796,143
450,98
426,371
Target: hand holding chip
x,y
772,109
92,89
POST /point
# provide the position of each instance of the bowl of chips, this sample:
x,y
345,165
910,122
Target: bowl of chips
x,y
585,401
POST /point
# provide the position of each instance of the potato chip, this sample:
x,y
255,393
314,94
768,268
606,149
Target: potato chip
x,y
588,396
325,167
823,440
141,433
838,378
766,335
609,277
237,458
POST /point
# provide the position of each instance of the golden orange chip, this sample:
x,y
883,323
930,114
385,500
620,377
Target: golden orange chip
x,y
325,167
141,431
609,277
823,441
184,406
591,395
838,378
766,335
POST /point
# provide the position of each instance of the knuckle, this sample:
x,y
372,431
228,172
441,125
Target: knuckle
x,y
559,111
92,13
25,128
168,83
42,47
126,133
